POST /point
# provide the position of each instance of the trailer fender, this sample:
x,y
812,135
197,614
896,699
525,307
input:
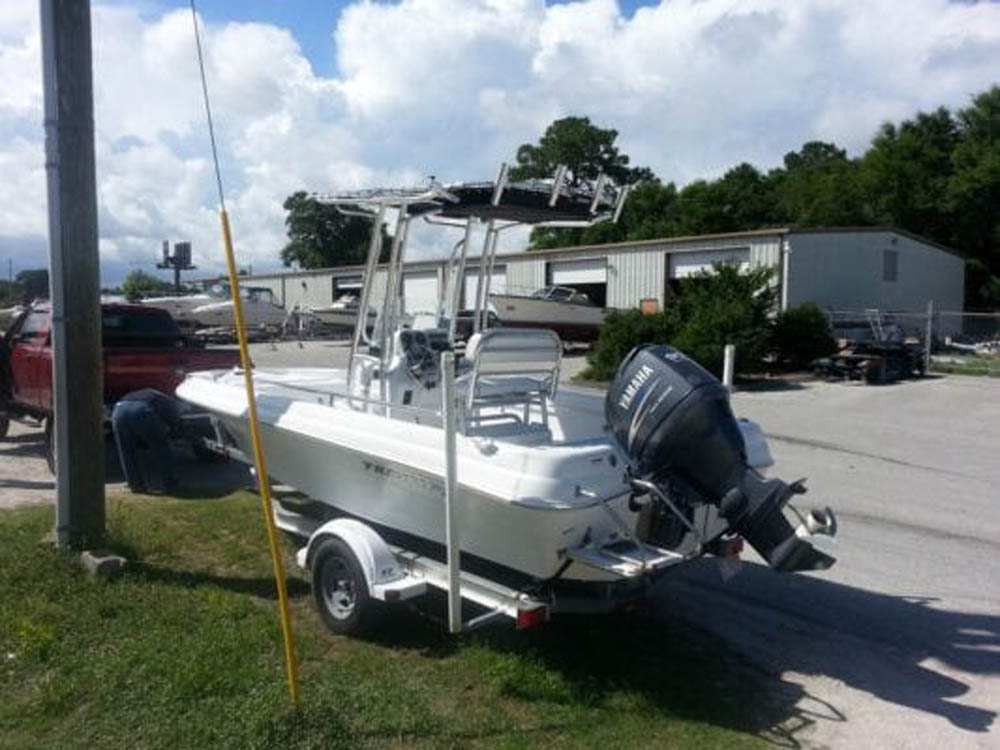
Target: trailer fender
x,y
379,564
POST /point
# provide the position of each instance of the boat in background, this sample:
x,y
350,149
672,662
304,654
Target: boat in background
x,y
214,308
180,306
342,313
571,314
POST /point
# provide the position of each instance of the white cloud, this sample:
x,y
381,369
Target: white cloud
x,y
451,88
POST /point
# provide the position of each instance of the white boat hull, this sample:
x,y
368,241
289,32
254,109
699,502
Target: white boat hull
x,y
519,507
570,320
339,317
220,314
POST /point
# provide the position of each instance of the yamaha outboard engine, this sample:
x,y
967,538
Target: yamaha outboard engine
x,y
673,418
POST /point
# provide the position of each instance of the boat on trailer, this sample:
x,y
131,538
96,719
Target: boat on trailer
x,y
571,314
342,313
558,499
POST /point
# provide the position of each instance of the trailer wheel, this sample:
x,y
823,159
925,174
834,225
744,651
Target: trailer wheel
x,y
340,589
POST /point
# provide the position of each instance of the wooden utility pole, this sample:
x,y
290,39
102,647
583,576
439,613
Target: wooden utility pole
x,y
75,271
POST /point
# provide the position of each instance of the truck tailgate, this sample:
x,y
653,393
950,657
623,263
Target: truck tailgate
x,y
130,369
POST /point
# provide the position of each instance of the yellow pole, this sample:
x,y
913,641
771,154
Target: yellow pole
x,y
258,458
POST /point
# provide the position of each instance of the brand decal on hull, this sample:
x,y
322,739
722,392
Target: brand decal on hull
x,y
396,476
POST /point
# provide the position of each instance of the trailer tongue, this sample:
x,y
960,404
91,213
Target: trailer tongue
x,y
673,418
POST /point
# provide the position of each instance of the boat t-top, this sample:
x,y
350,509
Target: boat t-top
x,y
561,496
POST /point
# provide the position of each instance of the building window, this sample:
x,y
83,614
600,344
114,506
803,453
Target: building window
x,y
890,265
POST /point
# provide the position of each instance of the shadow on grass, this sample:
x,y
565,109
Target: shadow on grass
x,y
262,588
662,663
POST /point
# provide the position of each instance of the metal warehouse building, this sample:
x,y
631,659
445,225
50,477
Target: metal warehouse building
x,y
849,268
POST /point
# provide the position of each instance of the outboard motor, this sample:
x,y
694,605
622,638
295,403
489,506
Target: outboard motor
x,y
673,418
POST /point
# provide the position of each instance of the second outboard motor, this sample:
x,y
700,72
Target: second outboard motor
x,y
673,418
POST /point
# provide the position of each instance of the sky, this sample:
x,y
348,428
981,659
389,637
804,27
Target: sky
x,y
323,96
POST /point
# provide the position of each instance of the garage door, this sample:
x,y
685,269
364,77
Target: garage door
x,y
346,285
420,292
573,272
686,264
498,285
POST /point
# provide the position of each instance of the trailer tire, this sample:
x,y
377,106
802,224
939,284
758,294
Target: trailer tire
x,y
340,589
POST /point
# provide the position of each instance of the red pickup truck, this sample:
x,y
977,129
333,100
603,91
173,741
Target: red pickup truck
x,y
142,348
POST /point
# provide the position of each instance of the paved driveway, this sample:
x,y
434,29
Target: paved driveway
x,y
898,645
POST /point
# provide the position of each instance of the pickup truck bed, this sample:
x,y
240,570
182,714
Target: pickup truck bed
x,y
142,348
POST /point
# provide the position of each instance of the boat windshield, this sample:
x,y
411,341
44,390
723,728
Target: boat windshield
x,y
563,294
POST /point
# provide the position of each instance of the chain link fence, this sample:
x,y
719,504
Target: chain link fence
x,y
953,341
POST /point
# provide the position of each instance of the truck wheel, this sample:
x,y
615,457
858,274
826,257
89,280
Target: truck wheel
x,y
50,448
4,426
340,589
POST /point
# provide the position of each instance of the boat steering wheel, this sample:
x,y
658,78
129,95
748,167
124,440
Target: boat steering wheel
x,y
420,358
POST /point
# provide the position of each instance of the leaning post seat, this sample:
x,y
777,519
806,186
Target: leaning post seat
x,y
511,367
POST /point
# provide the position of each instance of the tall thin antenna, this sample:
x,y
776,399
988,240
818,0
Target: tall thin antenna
x,y
208,108
263,478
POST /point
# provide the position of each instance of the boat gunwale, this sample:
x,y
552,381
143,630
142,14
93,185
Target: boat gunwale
x,y
270,420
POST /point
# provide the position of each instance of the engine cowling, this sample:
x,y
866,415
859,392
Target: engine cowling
x,y
674,420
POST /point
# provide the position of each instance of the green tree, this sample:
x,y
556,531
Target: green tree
x,y
139,284
714,308
585,149
801,334
622,331
973,194
726,306
906,173
740,200
819,186
320,236
34,283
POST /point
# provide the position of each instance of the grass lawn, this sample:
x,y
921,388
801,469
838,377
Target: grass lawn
x,y
184,651
954,365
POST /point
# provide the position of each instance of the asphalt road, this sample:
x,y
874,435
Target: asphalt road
x,y
898,645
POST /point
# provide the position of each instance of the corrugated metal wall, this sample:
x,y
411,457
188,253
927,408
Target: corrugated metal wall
x,y
635,272
525,274
638,272
635,276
